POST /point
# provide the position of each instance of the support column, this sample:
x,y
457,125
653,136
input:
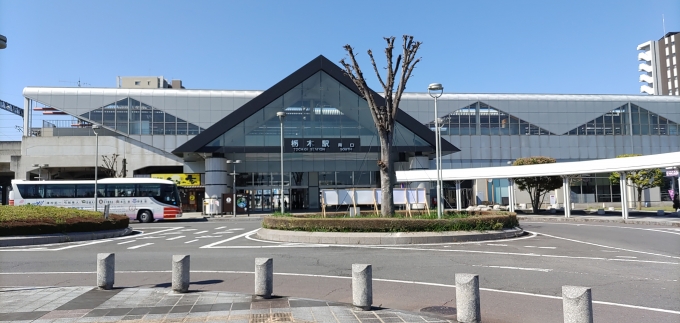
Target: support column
x,y
624,195
511,194
459,202
216,176
566,196
28,113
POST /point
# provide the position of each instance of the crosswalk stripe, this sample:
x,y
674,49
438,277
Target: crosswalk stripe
x,y
175,238
127,241
190,241
141,245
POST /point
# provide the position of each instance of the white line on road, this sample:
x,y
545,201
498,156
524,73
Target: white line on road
x,y
607,226
237,229
204,237
141,245
498,245
190,241
189,230
516,268
603,246
529,246
212,245
219,228
608,250
125,242
223,232
201,232
175,238
343,277
548,247
629,257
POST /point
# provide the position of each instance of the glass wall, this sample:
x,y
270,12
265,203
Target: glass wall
x,y
627,118
137,118
480,118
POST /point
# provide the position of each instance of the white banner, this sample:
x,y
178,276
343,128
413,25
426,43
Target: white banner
x,y
372,196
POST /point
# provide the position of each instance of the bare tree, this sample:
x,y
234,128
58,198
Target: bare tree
x,y
111,166
384,116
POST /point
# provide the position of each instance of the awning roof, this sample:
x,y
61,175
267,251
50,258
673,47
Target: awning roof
x,y
567,168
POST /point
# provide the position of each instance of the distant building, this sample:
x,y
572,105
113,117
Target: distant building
x,y
660,66
147,82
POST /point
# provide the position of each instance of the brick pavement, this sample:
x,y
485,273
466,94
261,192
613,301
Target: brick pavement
x,y
88,304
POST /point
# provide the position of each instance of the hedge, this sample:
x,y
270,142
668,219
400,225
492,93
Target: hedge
x,y
471,223
31,220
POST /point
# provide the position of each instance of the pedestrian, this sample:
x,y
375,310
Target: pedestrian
x,y
676,203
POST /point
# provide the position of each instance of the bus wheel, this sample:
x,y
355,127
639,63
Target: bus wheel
x,y
145,217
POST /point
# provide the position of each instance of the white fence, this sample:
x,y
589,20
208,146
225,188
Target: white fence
x,y
372,196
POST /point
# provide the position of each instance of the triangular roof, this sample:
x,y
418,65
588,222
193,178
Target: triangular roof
x,y
320,63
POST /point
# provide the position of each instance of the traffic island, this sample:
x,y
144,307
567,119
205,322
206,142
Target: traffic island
x,y
370,230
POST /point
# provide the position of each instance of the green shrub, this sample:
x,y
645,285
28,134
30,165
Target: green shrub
x,y
31,219
395,224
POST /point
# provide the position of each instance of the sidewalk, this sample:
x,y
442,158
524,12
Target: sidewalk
x,y
88,304
635,217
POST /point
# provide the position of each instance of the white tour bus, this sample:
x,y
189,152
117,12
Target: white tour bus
x,y
143,199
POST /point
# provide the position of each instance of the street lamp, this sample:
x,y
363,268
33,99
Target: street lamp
x,y
40,166
281,115
436,90
233,187
96,127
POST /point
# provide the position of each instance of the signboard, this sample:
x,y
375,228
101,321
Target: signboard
x,y
321,145
672,172
180,179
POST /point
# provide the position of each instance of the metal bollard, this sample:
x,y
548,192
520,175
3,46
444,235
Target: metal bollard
x,y
362,286
180,273
264,277
106,269
577,304
467,298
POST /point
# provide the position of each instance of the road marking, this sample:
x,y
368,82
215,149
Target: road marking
x,y
346,277
141,245
608,250
498,245
175,238
603,246
629,257
237,229
516,268
212,245
125,242
201,232
204,237
189,230
548,247
223,232
612,226
190,241
529,246
220,228
150,237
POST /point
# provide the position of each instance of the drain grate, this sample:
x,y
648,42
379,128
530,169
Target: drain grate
x,y
442,310
270,318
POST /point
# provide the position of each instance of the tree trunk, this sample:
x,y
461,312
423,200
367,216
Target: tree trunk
x,y
386,181
535,200
639,198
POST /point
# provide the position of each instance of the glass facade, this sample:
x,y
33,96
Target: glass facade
x,y
626,119
480,118
134,117
320,107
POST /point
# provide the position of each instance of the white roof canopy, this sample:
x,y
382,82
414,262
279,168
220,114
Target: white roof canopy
x,y
555,169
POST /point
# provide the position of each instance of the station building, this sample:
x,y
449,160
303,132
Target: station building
x,y
157,128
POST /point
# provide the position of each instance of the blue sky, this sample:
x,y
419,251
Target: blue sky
x,y
571,47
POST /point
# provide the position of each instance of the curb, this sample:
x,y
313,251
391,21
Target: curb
x,y
251,218
63,237
644,222
384,238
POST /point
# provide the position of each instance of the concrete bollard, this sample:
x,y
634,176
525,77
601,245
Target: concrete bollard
x,y
362,286
467,298
264,277
106,270
180,273
577,304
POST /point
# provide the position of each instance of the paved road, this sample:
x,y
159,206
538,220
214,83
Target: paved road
x,y
637,268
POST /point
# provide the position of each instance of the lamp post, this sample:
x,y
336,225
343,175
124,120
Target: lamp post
x,y
233,187
281,115
96,127
436,90
40,166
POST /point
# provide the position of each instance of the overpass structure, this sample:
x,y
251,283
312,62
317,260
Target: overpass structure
x,y
565,170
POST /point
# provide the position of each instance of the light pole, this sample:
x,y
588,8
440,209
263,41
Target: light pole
x,y
436,90
96,127
233,187
40,166
281,115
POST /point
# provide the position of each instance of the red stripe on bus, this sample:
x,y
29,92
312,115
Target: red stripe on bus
x,y
171,212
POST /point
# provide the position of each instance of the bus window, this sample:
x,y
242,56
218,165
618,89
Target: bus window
x,y
85,190
31,191
163,193
60,191
120,190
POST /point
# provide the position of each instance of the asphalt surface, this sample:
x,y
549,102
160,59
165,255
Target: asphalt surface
x,y
633,270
